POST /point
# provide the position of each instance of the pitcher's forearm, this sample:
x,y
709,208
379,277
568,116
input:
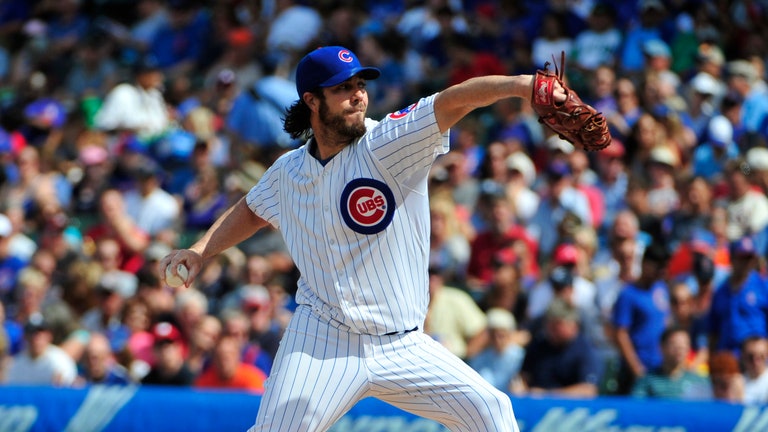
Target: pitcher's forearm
x,y
455,102
234,226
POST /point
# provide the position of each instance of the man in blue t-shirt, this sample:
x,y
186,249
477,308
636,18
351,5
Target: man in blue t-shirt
x,y
640,315
560,360
740,304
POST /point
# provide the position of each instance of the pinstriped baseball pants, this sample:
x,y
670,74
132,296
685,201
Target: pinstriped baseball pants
x,y
322,371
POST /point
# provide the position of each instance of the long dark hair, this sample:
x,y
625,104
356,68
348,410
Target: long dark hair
x,y
296,121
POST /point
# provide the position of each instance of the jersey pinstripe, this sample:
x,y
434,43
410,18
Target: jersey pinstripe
x,y
358,267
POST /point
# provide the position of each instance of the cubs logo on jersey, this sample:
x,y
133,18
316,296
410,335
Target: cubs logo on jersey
x,y
403,112
367,205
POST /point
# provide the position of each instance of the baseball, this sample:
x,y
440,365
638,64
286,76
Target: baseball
x,y
176,280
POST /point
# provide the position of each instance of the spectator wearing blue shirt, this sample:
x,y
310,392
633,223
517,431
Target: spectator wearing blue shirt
x,y
561,200
743,79
99,365
179,43
500,362
10,265
711,156
640,315
740,304
560,360
255,120
651,14
13,332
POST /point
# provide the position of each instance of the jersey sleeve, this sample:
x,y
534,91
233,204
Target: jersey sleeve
x,y
263,198
407,142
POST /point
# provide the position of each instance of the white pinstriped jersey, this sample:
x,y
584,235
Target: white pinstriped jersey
x,y
358,227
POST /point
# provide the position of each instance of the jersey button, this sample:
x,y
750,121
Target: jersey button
x,y
327,208
333,242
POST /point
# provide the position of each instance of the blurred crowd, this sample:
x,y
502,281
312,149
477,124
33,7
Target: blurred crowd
x,y
128,126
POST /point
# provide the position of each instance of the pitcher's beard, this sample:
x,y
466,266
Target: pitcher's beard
x,y
338,124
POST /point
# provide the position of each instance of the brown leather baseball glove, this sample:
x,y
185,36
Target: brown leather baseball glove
x,y
572,119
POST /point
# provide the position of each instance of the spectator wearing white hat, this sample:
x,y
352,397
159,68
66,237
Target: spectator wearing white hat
x,y
704,93
499,363
743,78
757,158
662,164
522,175
747,207
711,155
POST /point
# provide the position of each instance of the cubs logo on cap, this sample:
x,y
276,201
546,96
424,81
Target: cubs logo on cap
x,y
367,205
329,66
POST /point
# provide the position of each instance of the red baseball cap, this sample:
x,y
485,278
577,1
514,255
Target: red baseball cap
x,y
566,254
166,332
614,150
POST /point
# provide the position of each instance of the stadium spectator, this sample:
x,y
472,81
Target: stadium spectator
x,y
115,223
754,363
202,342
449,246
640,315
747,207
180,41
623,121
726,377
743,78
453,317
137,107
99,365
137,355
235,323
716,149
153,209
585,180
650,14
454,171
561,199
599,44
583,293
672,379
499,363
41,362
282,39
503,236
685,315
169,369
552,38
228,371
559,360
239,58
740,304
93,72
757,158
12,331
10,265
106,317
521,174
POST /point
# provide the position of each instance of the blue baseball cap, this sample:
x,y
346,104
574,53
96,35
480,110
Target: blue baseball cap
x,y
744,246
329,66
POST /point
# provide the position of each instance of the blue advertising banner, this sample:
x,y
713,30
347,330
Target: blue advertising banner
x,y
150,409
